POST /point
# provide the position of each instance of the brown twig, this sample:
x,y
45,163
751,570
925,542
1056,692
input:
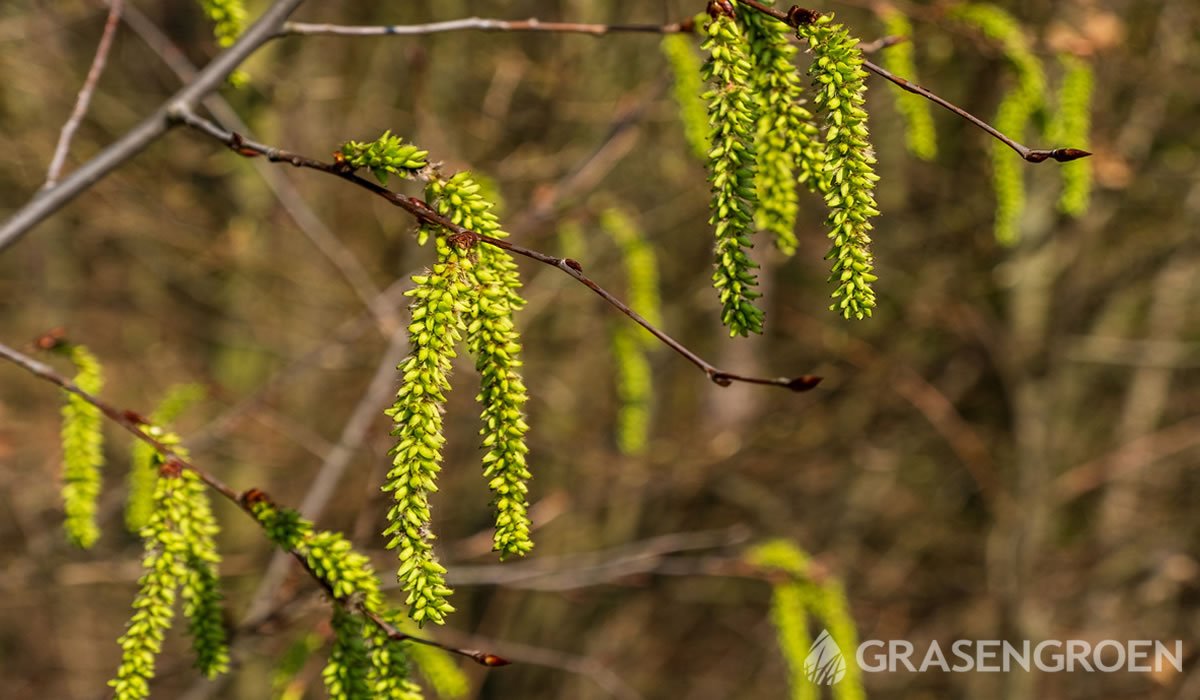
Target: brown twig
x,y
426,215
84,98
480,24
796,17
134,422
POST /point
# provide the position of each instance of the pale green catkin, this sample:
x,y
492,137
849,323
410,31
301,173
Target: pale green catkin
x,y
919,134
1016,110
787,141
684,62
1072,124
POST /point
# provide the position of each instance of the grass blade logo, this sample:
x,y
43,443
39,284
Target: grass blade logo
x,y
825,664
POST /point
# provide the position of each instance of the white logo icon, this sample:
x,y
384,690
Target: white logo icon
x,y
824,664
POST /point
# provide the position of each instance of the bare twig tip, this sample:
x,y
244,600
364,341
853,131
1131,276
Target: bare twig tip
x,y
803,383
492,660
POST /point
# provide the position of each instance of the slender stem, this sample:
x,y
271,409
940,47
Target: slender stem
x,y
84,98
134,423
465,237
480,24
797,16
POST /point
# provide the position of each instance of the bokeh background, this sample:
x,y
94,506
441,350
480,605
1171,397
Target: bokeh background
x,y
1005,451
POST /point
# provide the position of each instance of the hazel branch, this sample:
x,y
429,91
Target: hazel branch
x,y
467,238
134,423
797,16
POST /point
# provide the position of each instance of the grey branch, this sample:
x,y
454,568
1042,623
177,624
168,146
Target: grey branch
x,y
149,129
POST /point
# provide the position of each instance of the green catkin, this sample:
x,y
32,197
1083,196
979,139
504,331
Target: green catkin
x,y
634,390
787,142
345,673
684,62
630,345
201,585
350,578
228,18
792,601
493,340
143,467
1016,110
165,566
789,601
919,135
1072,124
436,327
838,81
83,450
732,119
388,675
387,155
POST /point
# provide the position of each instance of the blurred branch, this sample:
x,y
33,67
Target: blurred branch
x,y
84,98
48,201
322,486
480,24
796,17
293,203
133,423
582,570
599,674
466,238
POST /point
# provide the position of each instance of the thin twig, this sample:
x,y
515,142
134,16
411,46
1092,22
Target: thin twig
x,y
480,24
134,424
84,98
464,237
796,17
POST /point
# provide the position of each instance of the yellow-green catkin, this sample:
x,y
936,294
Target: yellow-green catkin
x,y
732,120
144,462
839,93
630,344
436,326
787,141
1016,110
687,87
919,134
1071,124
494,342
83,450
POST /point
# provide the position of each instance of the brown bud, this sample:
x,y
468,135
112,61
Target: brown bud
x,y
798,16
803,383
171,469
493,660
51,339
252,497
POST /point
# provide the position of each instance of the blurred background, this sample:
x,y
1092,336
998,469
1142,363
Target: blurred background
x,y
1005,451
